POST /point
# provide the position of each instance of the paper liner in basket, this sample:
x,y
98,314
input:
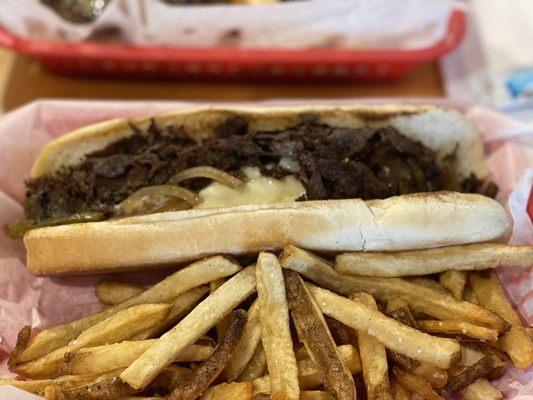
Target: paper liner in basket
x,y
42,302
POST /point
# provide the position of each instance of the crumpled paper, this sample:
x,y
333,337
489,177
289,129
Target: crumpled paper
x,y
497,45
408,24
43,302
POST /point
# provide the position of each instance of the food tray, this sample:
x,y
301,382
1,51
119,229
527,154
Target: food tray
x,y
117,60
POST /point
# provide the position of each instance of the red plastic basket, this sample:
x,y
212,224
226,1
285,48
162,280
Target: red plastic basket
x,y
103,59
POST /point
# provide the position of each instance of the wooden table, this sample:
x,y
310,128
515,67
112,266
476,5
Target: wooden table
x,y
23,80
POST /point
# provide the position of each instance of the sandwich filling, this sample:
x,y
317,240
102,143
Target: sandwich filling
x,y
165,169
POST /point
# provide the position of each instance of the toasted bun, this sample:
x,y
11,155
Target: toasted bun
x,y
405,222
399,223
440,129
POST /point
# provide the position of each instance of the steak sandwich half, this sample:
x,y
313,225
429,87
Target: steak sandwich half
x,y
127,194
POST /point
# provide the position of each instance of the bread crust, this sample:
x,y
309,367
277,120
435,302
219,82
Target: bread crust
x,y
167,239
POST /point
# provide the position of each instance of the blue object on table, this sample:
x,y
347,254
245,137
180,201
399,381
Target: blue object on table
x,y
520,83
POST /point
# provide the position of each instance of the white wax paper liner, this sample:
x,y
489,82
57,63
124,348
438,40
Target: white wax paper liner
x,y
43,302
409,24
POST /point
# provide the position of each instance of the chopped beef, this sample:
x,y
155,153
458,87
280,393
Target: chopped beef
x,y
334,163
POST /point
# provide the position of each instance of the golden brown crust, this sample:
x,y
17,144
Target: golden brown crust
x,y
155,240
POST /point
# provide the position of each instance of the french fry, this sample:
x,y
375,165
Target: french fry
x,y
431,261
403,361
275,329
467,376
398,391
229,391
429,283
23,338
180,306
222,325
420,299
458,328
194,275
66,382
316,337
420,346
170,378
99,359
116,292
102,389
398,309
315,395
256,367
209,370
120,326
469,295
484,349
415,384
309,376
347,353
454,281
202,318
261,386
470,356
516,342
481,390
246,348
301,353
491,294
437,377
140,398
341,333
373,357
54,392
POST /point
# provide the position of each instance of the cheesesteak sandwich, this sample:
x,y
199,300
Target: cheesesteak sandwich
x,y
150,192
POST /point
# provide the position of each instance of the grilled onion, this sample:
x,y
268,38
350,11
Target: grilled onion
x,y
205,171
156,198
16,230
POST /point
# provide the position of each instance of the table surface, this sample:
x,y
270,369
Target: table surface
x,y
22,80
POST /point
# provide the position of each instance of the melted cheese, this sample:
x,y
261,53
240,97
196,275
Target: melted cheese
x,y
257,189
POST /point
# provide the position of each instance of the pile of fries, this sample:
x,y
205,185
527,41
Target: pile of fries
x,y
293,326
